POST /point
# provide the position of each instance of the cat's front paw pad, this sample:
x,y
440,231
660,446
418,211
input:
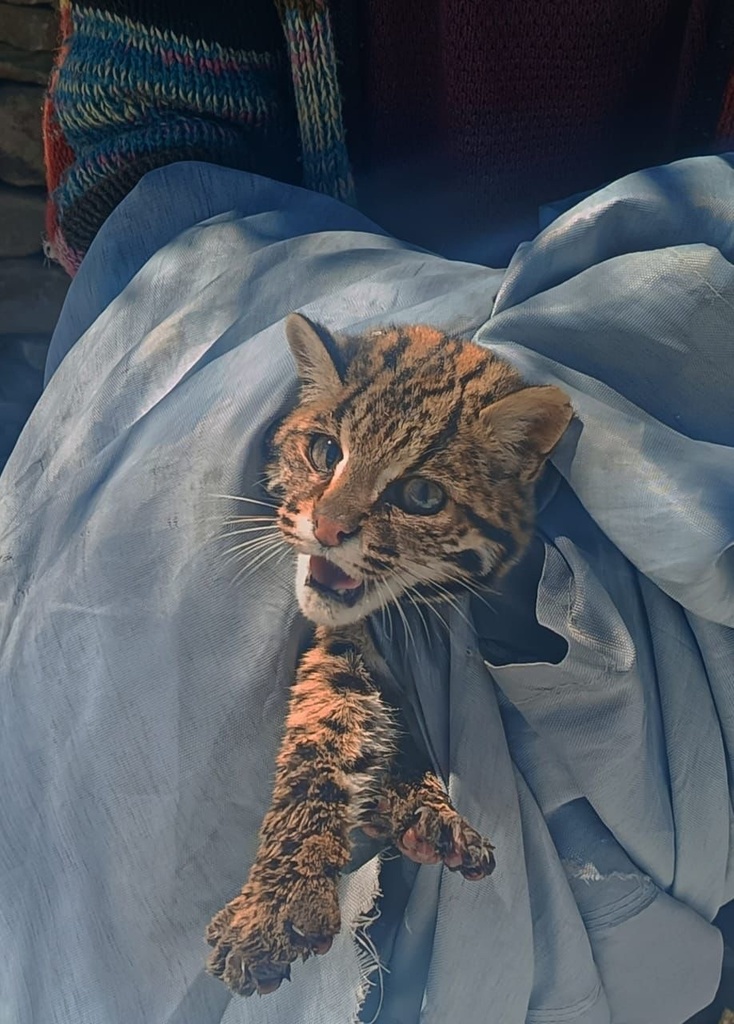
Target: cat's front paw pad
x,y
255,940
251,953
312,914
443,836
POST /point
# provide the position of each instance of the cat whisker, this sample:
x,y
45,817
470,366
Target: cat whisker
x,y
249,529
216,536
444,595
241,556
409,592
387,610
284,554
251,547
270,524
267,522
220,515
432,606
239,551
250,501
450,600
414,580
406,624
439,616
382,608
384,611
286,551
241,560
249,519
482,584
261,559
474,590
475,594
271,537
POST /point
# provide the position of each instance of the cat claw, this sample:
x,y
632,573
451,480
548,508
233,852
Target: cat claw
x,y
443,836
269,977
245,978
255,941
316,944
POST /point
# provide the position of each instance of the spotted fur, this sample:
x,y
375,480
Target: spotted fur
x,y
405,472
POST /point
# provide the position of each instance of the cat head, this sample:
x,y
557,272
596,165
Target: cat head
x,y
408,466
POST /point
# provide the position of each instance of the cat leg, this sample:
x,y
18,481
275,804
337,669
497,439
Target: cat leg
x,y
338,735
417,816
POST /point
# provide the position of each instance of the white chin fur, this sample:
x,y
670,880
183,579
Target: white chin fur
x,y
320,610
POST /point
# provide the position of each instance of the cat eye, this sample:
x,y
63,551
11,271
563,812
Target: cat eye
x,y
418,496
324,453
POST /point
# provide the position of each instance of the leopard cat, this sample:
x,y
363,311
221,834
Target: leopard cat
x,y
406,470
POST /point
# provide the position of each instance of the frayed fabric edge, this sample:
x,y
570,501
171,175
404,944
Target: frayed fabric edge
x,y
359,911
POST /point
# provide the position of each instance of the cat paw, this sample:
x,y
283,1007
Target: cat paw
x,y
255,940
440,835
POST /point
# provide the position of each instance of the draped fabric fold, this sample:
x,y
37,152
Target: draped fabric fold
x,y
588,729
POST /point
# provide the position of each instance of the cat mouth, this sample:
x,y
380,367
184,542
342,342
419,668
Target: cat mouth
x,y
331,581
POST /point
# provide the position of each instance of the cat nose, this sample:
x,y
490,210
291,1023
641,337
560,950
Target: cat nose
x,y
330,532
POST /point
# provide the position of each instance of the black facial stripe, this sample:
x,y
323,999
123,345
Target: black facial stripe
x,y
370,410
427,593
270,447
342,407
494,533
447,385
391,355
439,440
470,561
407,373
383,549
377,563
470,375
492,399
447,382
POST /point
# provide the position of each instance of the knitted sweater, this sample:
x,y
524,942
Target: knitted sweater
x,y
459,115
479,111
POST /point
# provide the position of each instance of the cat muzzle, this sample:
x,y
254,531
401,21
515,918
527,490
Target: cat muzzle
x,y
328,579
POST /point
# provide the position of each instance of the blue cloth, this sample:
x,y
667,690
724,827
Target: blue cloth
x,y
22,361
585,722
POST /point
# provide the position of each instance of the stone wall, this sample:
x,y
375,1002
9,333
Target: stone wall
x,y
27,39
31,290
28,36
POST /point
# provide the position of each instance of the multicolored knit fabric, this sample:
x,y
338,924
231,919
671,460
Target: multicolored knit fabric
x,y
140,84
464,117
318,101
462,114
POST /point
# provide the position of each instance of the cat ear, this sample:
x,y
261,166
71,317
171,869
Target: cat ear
x,y
317,370
530,422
